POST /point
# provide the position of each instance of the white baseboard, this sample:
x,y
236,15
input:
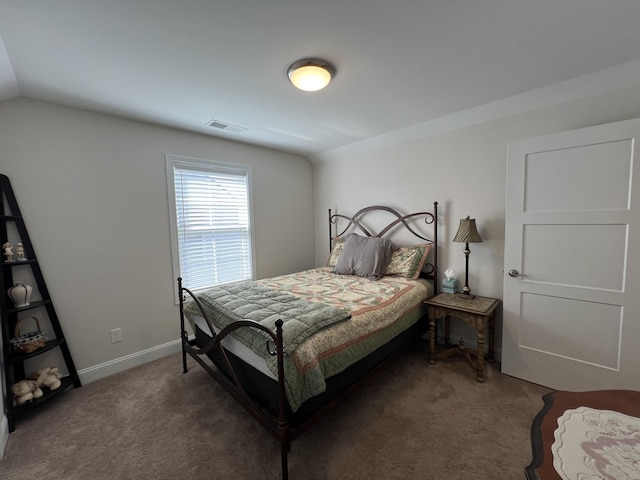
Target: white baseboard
x,y
4,435
91,374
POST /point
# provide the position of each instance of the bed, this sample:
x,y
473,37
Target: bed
x,y
292,347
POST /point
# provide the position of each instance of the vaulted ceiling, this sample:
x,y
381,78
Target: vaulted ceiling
x,y
402,63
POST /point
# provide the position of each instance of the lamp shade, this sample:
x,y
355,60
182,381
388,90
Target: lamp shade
x,y
310,75
467,231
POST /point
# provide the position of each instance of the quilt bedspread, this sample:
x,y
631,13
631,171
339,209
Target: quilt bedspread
x,y
379,310
252,301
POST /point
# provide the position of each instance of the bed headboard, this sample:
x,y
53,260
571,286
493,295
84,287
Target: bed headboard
x,y
406,222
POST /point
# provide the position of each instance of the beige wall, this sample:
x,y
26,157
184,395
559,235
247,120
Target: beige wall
x,y
464,170
92,190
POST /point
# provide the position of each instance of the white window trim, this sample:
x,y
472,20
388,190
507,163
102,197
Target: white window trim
x,y
182,161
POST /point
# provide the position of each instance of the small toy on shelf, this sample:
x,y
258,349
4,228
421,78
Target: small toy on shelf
x,y
8,251
24,391
47,377
20,256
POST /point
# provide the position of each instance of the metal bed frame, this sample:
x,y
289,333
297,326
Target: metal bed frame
x,y
224,372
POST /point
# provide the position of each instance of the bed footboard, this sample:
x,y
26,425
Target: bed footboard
x,y
263,396
280,428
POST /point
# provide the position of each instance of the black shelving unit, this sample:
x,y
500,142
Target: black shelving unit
x,y
12,223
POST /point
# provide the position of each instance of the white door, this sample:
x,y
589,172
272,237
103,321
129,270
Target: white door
x,y
572,317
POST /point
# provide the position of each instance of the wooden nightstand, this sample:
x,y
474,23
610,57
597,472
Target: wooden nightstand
x,y
477,312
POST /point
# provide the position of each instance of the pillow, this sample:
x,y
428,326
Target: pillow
x,y
408,261
365,256
338,244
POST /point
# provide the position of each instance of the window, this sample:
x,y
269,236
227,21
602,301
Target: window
x,y
210,221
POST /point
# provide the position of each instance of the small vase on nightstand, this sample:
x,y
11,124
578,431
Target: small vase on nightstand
x,y
20,294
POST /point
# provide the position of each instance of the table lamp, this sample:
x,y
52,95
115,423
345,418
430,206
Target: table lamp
x,y
467,233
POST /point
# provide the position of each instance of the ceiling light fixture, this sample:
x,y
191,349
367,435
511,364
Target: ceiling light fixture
x,y
310,74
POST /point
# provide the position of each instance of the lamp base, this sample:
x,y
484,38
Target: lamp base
x,y
466,291
466,296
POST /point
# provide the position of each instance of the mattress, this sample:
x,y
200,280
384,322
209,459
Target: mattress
x,y
379,311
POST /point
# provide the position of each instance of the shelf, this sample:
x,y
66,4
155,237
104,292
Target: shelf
x,y
48,345
17,263
48,394
32,305
13,363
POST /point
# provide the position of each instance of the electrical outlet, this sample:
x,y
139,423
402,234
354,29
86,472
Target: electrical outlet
x,y
116,335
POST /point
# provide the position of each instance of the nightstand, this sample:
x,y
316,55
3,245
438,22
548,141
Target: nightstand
x,y
479,312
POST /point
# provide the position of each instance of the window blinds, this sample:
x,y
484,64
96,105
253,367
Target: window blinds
x,y
212,220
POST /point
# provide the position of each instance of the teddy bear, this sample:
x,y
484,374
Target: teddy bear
x,y
48,377
24,391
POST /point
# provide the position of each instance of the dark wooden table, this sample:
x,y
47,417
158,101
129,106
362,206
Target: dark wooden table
x,y
555,404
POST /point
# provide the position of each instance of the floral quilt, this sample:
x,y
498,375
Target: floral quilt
x,y
379,310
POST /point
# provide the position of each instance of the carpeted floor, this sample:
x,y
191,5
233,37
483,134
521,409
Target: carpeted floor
x,y
411,421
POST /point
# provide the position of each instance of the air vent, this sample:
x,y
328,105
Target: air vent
x,y
227,127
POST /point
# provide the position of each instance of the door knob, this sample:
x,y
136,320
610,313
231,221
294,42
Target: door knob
x,y
515,273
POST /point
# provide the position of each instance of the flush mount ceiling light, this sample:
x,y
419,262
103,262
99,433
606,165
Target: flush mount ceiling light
x,y
310,74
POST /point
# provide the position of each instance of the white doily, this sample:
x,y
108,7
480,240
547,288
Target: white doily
x,y
597,444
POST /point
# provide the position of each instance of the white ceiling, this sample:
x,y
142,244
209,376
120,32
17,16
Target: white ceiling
x,y
401,63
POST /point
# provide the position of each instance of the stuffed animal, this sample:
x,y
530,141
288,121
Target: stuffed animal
x,y
47,377
24,391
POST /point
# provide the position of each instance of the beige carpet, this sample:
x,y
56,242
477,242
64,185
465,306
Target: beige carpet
x,y
411,421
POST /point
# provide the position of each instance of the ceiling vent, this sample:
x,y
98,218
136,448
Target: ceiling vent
x,y
227,127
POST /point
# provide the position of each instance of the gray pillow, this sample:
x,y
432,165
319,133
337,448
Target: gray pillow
x,y
365,256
